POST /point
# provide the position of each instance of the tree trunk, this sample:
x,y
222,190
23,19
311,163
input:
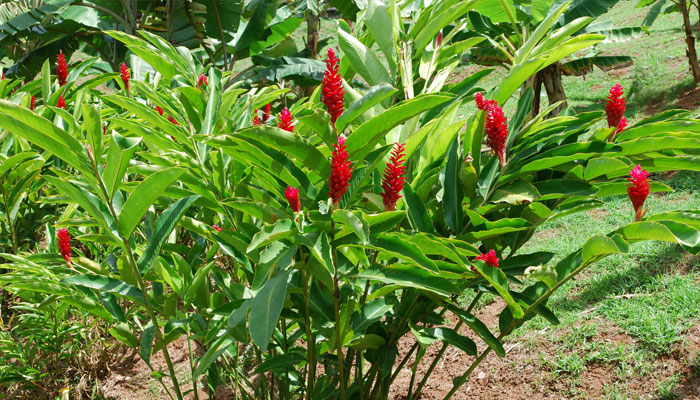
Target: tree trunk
x,y
551,77
690,41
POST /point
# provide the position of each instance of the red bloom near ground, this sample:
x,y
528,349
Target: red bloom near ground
x,y
32,103
285,120
256,120
496,126
622,126
266,113
393,178
292,196
202,79
638,190
489,258
333,95
125,75
341,171
61,103
61,68
217,228
615,106
64,243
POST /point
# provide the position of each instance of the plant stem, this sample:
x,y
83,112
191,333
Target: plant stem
x,y
442,351
141,283
310,340
338,343
9,221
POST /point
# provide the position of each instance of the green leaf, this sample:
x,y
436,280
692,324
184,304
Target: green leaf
x,y
120,152
477,326
367,135
93,125
146,343
417,213
499,281
362,59
106,284
378,21
448,335
409,276
358,225
452,190
281,362
164,226
266,309
282,229
212,354
123,333
143,197
213,102
375,95
199,283
396,245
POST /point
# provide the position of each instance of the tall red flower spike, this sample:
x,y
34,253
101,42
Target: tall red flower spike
x,y
171,119
202,79
489,258
61,68
393,178
615,106
266,113
292,196
256,119
64,243
341,171
125,75
638,190
61,103
622,126
438,39
496,126
217,228
160,110
32,103
333,95
285,120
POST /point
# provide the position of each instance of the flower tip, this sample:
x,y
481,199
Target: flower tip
x,y
489,258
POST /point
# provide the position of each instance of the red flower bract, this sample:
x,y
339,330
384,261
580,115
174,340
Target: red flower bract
x,y
171,119
438,39
217,228
160,110
292,196
64,243
489,258
340,171
496,126
393,177
266,113
61,103
615,106
638,190
32,103
285,120
621,127
333,95
202,79
125,75
61,68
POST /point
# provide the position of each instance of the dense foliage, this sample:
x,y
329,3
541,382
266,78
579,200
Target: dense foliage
x,y
296,240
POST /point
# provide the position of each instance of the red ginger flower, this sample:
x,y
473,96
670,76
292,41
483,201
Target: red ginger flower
x,y
332,91
61,103
266,113
622,126
393,179
496,126
341,171
285,120
217,228
256,120
615,106
64,243
638,190
160,110
61,68
292,196
202,79
171,119
438,39
125,75
32,102
489,258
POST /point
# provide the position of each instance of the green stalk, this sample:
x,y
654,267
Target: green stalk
x,y
338,343
141,284
9,222
310,340
512,21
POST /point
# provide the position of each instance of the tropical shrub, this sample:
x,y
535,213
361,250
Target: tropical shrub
x,y
302,242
